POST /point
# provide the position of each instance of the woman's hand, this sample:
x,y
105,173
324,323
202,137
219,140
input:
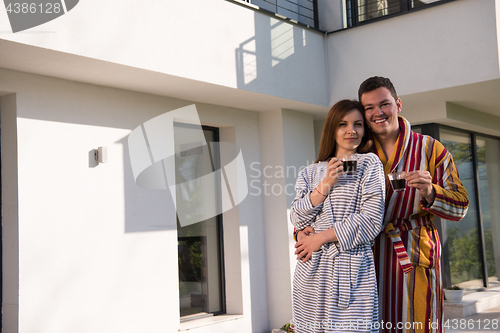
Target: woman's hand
x,y
312,242
308,245
307,231
333,172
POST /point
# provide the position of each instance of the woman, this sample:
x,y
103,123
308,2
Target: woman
x,y
334,287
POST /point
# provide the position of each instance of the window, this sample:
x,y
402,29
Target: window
x,y
466,265
200,250
471,255
370,9
488,159
361,11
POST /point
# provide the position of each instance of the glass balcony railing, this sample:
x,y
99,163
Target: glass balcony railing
x,y
301,11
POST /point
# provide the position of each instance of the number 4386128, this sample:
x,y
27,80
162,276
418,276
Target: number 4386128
x,y
33,8
485,324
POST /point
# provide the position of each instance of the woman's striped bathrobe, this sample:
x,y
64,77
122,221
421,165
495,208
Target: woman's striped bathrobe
x,y
336,290
410,287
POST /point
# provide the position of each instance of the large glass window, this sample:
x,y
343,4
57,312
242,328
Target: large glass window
x,y
470,246
463,236
488,156
361,11
421,3
370,9
200,249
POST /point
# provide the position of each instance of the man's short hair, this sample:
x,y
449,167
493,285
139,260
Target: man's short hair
x,y
376,82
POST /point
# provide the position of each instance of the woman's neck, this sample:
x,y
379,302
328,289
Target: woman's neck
x,y
341,152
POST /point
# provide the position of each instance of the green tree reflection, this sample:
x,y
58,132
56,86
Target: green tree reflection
x,y
463,255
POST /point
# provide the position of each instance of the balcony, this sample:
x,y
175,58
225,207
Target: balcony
x,y
304,12
347,13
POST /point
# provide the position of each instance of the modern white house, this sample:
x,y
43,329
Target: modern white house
x,y
85,248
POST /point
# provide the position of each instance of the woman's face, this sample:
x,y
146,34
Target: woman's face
x,y
350,132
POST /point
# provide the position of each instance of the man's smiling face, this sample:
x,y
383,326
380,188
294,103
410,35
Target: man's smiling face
x,y
381,111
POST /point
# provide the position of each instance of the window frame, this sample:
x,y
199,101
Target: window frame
x,y
405,8
220,233
433,130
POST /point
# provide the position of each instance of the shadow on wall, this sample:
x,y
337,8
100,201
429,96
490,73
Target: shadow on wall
x,y
145,209
274,56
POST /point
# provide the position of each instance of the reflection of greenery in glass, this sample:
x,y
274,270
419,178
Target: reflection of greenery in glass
x,y
191,250
463,236
463,255
190,259
490,256
196,259
481,154
191,263
485,207
461,152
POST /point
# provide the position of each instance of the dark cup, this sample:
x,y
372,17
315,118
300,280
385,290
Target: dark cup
x,y
398,181
350,164
350,167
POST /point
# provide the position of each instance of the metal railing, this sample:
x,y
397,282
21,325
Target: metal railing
x,y
357,12
301,11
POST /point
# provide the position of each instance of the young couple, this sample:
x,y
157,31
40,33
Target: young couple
x,y
341,284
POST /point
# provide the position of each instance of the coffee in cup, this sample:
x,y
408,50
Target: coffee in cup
x,y
398,181
350,164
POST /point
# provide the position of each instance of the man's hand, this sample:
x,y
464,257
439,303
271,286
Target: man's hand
x,y
308,245
422,181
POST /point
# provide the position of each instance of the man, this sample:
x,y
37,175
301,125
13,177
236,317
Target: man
x,y
410,283
408,250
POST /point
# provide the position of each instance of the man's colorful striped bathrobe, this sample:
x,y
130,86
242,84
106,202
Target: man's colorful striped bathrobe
x,y
407,251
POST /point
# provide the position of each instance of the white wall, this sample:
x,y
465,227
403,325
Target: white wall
x,y
272,184
287,145
298,136
212,41
298,143
449,45
95,250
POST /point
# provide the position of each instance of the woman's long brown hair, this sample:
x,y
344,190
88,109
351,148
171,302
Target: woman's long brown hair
x,y
328,143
